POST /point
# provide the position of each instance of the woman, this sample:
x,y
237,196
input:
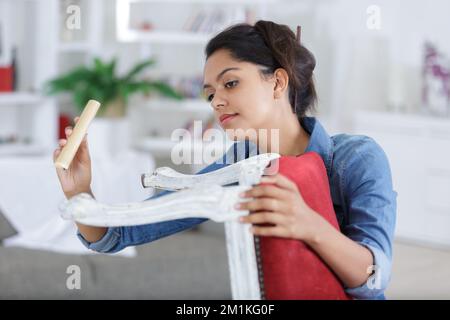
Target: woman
x,y
260,77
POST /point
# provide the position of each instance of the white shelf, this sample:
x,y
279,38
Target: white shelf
x,y
207,1
19,98
126,34
21,149
74,47
161,36
186,105
414,123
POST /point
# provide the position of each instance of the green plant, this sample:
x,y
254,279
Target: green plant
x,y
101,83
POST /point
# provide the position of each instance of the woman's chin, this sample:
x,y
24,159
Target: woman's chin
x,y
238,133
230,125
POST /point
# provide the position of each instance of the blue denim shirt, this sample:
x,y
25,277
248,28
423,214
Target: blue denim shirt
x,y
361,189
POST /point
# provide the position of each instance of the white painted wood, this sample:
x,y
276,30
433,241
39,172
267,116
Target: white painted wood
x,y
241,251
213,202
203,197
242,261
169,179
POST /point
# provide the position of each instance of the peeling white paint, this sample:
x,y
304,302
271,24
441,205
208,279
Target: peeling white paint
x,y
201,196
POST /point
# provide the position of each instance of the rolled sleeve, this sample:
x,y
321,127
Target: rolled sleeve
x,y
106,244
374,287
372,206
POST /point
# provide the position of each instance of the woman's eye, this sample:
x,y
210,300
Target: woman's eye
x,y
231,84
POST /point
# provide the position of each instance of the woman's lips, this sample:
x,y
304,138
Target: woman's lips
x,y
227,117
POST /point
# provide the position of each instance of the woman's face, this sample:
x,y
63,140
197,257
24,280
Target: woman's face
x,y
238,89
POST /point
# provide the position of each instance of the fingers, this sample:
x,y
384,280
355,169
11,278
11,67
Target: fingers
x,y
56,154
269,191
84,141
263,217
272,169
281,181
270,232
266,204
61,144
68,131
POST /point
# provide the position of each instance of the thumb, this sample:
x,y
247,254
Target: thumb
x,y
84,142
59,170
56,154
83,151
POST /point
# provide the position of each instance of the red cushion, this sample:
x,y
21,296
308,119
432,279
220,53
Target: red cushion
x,y
291,270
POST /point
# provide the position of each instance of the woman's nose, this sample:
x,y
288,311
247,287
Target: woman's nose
x,y
218,102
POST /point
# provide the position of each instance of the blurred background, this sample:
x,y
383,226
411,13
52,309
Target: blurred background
x,y
383,70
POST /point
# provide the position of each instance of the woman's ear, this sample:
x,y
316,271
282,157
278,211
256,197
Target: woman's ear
x,y
281,83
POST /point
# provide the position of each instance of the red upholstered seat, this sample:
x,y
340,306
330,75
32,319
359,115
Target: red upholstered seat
x,y
291,270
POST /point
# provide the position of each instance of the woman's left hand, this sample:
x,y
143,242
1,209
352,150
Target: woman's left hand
x,y
277,201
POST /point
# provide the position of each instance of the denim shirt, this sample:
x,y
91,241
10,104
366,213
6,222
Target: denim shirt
x,y
361,189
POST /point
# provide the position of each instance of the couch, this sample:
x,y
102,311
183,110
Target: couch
x,y
189,265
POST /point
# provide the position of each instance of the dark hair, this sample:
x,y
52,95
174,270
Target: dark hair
x,y
272,46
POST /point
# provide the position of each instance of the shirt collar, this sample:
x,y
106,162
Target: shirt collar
x,y
319,141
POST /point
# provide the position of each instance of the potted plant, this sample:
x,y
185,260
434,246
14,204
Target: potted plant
x,y
101,83
110,130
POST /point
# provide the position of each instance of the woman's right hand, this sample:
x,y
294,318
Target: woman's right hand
x,y
77,178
